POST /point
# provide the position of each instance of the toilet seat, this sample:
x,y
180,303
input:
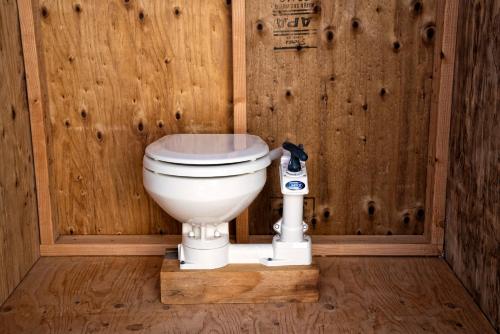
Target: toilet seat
x,y
207,155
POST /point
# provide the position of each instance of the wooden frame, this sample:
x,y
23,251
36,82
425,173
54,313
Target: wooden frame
x,y
240,95
37,106
429,244
439,131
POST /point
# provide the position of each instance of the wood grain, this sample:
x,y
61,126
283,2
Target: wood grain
x,y
360,103
439,132
38,107
238,283
240,94
360,295
120,75
473,196
18,208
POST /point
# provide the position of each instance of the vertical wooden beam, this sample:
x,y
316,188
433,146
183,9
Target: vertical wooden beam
x,y
240,94
34,75
439,131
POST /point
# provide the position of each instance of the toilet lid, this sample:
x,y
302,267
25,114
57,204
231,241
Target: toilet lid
x,y
207,149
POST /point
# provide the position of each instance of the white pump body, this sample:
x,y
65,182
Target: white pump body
x,y
208,246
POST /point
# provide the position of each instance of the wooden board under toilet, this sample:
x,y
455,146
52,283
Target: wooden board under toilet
x,y
238,283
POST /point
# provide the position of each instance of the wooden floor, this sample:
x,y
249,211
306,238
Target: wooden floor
x,y
359,295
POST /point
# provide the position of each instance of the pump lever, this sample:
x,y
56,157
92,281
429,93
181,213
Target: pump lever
x,y
297,154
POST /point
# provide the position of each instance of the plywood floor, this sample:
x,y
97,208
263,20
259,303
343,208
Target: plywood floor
x,y
360,295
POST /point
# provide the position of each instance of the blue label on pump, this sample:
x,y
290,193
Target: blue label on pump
x,y
295,185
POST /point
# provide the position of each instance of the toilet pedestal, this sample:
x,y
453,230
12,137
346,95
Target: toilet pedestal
x,y
238,283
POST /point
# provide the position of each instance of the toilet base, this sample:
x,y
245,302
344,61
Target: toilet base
x,y
192,258
278,253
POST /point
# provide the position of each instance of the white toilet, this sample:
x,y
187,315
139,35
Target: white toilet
x,y
205,181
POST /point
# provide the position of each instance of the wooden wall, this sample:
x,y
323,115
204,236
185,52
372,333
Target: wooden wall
x,y
121,74
18,211
473,197
353,81
357,91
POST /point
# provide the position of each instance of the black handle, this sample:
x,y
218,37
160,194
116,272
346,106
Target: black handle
x,y
297,154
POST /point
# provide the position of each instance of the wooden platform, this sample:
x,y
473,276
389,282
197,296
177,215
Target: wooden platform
x,y
238,283
358,295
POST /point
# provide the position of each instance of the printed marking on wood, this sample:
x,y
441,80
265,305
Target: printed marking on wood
x,y
295,24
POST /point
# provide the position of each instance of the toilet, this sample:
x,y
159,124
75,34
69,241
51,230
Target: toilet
x,y
204,181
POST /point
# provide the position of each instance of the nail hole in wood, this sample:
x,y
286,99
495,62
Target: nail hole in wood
x,y
260,26
177,11
99,135
44,11
83,113
396,45
13,112
326,214
429,33
406,219
67,123
371,208
314,222
389,232
177,115
355,24
141,16
316,9
365,106
382,92
288,93
417,7
78,8
329,307
329,35
140,126
358,232
420,214
160,124
299,47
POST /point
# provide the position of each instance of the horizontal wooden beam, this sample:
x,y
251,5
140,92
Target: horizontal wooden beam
x,y
105,245
333,239
110,245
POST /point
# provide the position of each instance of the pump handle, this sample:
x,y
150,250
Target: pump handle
x,y
297,154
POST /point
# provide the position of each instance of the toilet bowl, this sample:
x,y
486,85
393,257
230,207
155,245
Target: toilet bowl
x,y
204,181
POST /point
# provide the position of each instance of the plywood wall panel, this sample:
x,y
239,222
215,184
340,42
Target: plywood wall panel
x,y
18,210
121,74
353,82
472,236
